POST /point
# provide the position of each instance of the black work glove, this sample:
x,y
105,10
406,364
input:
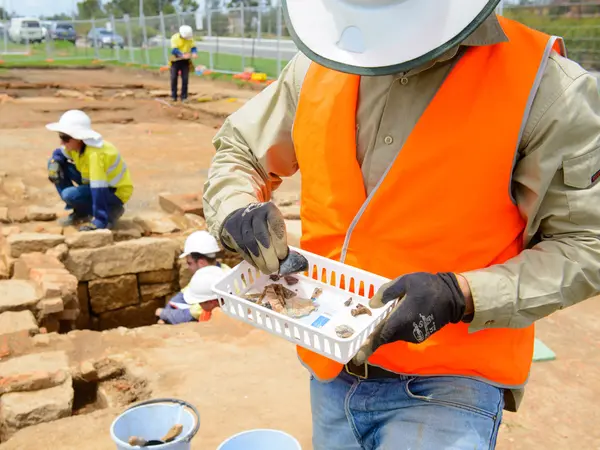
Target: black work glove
x,y
257,232
431,301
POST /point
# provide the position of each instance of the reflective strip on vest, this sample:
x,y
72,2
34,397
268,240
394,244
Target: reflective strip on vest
x,y
422,215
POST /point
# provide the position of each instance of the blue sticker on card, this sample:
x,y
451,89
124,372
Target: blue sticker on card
x,y
320,322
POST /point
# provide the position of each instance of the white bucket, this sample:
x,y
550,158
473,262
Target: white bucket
x,y
152,419
261,440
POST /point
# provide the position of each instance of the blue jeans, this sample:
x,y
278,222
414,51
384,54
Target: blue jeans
x,y
408,413
174,316
79,198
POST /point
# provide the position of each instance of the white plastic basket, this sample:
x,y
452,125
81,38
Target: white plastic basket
x,y
315,332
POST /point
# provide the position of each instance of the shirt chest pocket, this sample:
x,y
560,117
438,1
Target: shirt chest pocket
x,y
582,176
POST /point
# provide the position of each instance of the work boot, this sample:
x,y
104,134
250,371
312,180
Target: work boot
x,y
73,219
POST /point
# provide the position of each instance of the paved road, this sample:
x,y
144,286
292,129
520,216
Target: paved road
x,y
265,48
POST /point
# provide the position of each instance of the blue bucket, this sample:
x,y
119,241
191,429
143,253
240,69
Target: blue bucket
x,y
261,440
152,420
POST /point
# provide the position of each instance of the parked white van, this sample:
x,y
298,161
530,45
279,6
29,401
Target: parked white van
x,y
23,29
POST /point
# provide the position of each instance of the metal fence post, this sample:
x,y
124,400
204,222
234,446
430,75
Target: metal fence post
x,y
117,47
279,40
127,20
5,33
259,23
95,39
145,44
211,64
243,50
164,33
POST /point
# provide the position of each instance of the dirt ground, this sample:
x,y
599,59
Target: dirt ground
x,y
238,377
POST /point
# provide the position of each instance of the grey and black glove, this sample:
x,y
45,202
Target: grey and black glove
x,y
257,232
55,171
428,302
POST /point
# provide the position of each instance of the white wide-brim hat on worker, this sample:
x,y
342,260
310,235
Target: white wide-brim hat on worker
x,y
200,242
200,288
380,37
76,124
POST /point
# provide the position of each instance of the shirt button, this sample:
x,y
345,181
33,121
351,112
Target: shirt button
x,y
388,140
489,323
404,81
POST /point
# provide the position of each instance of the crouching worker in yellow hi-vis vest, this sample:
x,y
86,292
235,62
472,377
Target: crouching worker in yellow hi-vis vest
x,y
183,48
89,174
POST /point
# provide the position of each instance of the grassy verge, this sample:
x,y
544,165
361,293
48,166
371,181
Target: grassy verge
x,y
64,53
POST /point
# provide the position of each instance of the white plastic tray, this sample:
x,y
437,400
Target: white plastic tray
x,y
316,331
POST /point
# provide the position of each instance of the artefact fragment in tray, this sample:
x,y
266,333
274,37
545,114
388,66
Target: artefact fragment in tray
x,y
277,297
361,309
344,331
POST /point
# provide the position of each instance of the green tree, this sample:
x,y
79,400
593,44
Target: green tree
x,y
118,8
87,9
4,15
238,3
188,5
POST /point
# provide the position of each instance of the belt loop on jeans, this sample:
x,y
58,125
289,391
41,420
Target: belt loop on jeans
x,y
364,367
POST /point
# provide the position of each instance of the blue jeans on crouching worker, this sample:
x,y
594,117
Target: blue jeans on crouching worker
x,y
173,315
408,413
79,198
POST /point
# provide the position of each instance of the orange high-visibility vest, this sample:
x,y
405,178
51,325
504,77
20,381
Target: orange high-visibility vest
x,y
444,205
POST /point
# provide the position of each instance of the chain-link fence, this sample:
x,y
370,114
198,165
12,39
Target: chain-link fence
x,y
228,40
577,22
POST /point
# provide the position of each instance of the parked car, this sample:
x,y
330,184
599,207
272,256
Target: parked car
x,y
23,29
62,32
158,41
104,38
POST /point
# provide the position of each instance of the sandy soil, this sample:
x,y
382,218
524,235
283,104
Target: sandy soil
x,y
238,377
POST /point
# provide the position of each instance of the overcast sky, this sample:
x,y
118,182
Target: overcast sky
x,y
39,7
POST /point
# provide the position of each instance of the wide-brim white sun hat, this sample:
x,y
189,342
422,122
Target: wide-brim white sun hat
x,y
76,124
201,242
200,288
380,37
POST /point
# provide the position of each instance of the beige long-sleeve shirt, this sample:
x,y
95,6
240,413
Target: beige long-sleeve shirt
x,y
553,181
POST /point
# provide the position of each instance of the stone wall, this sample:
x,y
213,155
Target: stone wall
x,y
98,279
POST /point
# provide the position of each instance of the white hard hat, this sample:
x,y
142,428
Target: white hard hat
x,y
200,288
76,124
200,242
381,37
186,32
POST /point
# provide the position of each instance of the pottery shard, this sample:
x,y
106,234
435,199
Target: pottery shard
x,y
33,372
21,243
108,294
155,291
90,239
35,213
17,295
23,409
157,276
140,255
